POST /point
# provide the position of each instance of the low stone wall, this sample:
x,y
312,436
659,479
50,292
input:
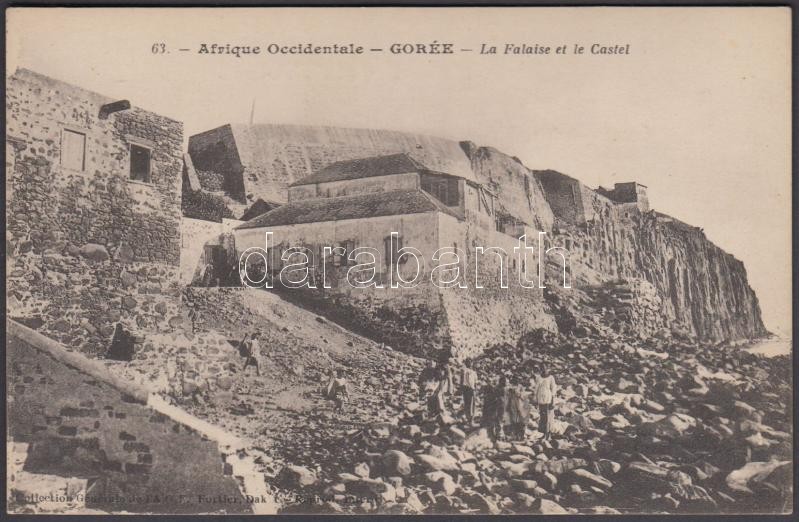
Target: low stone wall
x,y
137,453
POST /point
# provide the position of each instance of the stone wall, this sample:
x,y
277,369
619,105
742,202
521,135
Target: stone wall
x,y
405,318
485,314
563,195
215,151
81,421
87,246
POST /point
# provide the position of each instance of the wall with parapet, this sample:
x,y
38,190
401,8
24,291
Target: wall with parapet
x,y
79,420
424,320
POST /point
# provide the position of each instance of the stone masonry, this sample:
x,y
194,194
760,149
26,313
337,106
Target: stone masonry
x,y
88,246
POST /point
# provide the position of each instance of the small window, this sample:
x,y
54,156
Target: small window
x,y
73,150
139,163
348,247
394,253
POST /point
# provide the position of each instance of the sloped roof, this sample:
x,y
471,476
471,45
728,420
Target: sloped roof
x,y
258,208
392,203
363,168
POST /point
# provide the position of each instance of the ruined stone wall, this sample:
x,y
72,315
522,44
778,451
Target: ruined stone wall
x,y
88,247
563,195
216,151
79,421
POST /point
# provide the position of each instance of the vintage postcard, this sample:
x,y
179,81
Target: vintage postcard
x,y
399,261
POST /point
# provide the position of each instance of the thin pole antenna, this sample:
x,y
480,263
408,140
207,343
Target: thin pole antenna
x,y
252,112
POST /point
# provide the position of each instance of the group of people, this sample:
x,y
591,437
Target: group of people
x,y
506,406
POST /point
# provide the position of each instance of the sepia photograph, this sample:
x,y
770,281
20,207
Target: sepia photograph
x,y
399,261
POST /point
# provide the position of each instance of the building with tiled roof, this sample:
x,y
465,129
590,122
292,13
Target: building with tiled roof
x,y
369,210
362,206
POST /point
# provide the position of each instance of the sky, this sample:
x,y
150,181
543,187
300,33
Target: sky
x,y
699,111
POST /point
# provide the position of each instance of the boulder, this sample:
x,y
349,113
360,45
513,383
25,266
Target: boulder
x,y
584,477
558,467
296,476
542,506
672,427
753,473
413,502
396,462
514,469
458,435
441,482
523,486
372,488
94,252
362,470
481,503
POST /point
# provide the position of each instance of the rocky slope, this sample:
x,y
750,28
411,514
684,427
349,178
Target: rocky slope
x,y
642,428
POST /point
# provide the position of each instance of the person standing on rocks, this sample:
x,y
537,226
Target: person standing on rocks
x,y
194,316
517,411
545,391
494,405
339,390
445,376
251,350
468,385
427,380
436,402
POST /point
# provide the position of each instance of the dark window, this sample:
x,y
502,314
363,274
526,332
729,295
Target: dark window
x,y
348,247
397,246
342,252
139,163
443,189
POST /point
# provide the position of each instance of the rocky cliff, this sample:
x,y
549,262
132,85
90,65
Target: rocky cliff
x,y
633,272
644,273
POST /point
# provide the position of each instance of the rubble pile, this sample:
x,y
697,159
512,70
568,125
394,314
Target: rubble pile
x,y
641,427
